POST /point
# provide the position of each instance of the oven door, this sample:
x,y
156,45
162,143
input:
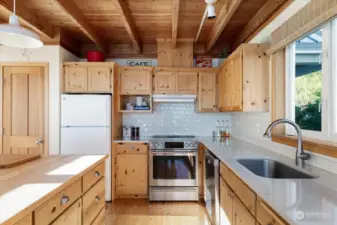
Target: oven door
x,y
172,168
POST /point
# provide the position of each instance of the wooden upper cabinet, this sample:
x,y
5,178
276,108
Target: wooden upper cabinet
x,y
135,80
76,79
99,79
244,80
187,82
83,77
164,82
207,92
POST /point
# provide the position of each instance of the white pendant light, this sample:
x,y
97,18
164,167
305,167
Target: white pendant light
x,y
14,35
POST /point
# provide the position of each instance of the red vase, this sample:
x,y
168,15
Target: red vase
x,y
95,56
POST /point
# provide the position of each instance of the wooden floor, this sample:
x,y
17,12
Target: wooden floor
x,y
142,212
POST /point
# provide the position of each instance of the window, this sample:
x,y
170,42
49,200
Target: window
x,y
311,83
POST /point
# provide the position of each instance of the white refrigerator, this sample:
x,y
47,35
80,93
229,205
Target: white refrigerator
x,y
86,128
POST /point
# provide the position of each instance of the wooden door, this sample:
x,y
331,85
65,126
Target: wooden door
x,y
23,110
242,215
99,79
72,216
229,86
76,79
226,203
187,82
207,92
164,82
236,81
132,174
135,80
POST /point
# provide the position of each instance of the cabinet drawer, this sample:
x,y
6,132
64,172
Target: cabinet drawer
x,y
266,216
90,178
27,220
72,216
93,202
247,196
132,149
60,202
100,219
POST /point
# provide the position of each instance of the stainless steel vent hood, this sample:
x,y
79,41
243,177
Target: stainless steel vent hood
x,y
174,98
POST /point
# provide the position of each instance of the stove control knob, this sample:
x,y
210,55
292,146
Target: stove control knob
x,y
161,145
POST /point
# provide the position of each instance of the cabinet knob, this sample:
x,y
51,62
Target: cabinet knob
x,y
97,199
64,200
97,174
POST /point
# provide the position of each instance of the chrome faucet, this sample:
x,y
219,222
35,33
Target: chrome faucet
x,y
303,155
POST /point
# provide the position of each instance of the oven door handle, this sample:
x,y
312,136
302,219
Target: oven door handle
x,y
174,153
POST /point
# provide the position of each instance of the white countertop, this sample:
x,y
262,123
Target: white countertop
x,y
293,199
25,187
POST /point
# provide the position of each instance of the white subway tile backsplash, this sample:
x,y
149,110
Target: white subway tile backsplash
x,y
175,118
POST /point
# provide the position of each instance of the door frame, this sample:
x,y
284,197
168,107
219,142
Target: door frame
x,y
45,67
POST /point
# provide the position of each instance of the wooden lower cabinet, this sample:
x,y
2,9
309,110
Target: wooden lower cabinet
x,y
80,203
226,203
242,216
266,216
72,216
132,175
28,220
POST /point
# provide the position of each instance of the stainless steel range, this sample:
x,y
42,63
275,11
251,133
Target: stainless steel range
x,y
173,168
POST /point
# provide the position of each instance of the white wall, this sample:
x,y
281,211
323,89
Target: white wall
x,y
54,55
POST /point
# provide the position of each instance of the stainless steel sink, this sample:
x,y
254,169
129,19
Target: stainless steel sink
x,y
273,169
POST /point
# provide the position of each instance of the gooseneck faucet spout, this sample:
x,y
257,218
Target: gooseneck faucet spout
x,y
303,155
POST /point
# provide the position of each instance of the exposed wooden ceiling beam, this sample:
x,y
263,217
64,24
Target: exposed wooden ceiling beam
x,y
28,18
123,11
175,20
269,11
225,15
201,25
78,17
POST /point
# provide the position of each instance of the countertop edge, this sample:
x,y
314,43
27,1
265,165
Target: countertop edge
x,y
20,215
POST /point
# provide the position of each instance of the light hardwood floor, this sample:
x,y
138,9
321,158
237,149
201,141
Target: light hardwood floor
x,y
142,212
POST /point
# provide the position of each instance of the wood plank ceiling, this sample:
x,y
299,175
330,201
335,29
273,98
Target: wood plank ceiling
x,y
138,23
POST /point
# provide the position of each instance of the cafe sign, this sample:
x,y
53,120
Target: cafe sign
x,y
139,62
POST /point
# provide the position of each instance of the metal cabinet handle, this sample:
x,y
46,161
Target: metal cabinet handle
x,y
38,142
64,200
97,174
132,148
97,199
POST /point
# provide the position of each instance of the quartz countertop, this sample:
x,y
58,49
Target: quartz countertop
x,y
297,201
25,187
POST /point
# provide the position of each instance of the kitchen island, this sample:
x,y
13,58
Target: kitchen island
x,y
55,189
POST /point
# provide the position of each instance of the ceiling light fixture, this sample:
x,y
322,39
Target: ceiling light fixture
x,y
210,9
14,35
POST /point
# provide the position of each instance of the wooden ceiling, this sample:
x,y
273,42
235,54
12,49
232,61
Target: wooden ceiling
x,y
141,22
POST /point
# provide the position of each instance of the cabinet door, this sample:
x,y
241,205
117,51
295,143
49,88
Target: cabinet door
x,y
132,174
72,216
76,79
164,82
99,79
222,87
226,203
236,83
187,82
207,92
135,81
242,215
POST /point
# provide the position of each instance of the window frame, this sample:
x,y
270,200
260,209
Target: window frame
x,y
329,85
